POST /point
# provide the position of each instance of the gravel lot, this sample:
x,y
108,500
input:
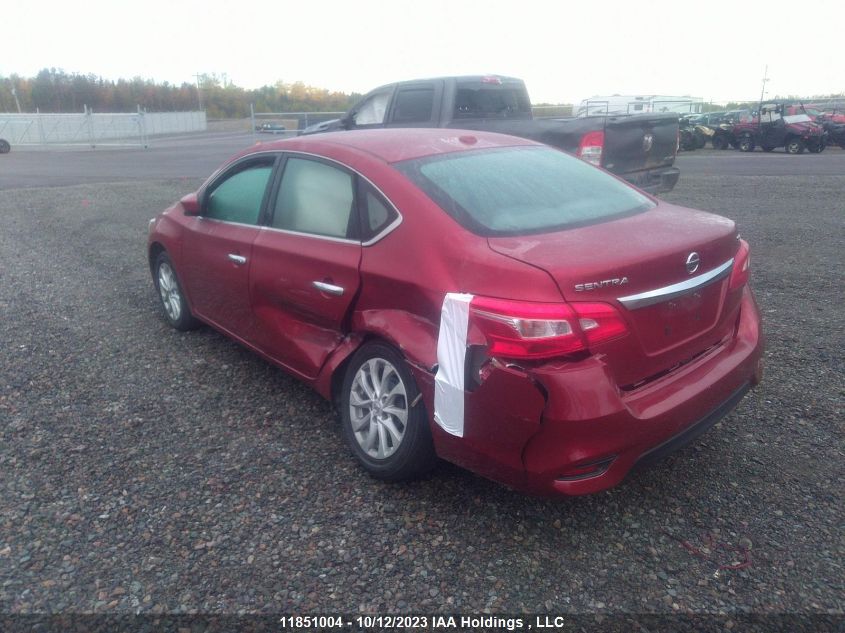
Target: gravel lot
x,y
144,470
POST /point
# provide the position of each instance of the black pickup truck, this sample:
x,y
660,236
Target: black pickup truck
x,y
640,147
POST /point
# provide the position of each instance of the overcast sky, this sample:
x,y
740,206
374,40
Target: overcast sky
x,y
564,50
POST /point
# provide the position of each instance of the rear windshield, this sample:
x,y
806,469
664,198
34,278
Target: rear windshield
x,y
479,100
522,190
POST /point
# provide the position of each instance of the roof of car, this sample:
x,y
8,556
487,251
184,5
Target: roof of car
x,y
396,144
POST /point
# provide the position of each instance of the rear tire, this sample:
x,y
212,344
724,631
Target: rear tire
x,y
5,148
384,422
795,146
746,143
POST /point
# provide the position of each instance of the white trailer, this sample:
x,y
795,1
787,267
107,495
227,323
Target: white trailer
x,y
637,104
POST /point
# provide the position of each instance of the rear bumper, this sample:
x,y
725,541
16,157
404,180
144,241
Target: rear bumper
x,y
654,181
692,433
567,429
636,428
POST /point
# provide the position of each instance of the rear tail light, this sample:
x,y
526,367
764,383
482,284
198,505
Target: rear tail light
x,y
742,266
591,147
600,322
527,330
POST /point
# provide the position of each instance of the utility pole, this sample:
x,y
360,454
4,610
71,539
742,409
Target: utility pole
x,y
762,95
763,89
15,95
199,92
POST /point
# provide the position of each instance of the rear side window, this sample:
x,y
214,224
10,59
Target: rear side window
x,y
477,100
413,105
522,190
377,214
238,197
315,198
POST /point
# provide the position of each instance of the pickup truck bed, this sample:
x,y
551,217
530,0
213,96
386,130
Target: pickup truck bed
x,y
640,148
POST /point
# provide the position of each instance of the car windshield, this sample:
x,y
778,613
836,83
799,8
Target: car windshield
x,y
522,190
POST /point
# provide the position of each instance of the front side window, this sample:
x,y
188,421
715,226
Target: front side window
x,y
372,111
238,197
522,190
315,198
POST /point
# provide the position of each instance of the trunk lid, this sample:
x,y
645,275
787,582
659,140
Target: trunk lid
x,y
626,258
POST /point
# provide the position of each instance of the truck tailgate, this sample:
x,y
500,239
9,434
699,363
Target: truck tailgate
x,y
639,141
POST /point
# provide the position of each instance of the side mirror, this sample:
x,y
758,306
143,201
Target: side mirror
x,y
191,204
348,120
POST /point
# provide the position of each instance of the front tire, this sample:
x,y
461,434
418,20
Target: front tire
x,y
5,148
383,420
173,302
816,148
795,146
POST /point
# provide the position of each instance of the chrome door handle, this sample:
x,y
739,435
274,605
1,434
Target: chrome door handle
x,y
240,260
329,288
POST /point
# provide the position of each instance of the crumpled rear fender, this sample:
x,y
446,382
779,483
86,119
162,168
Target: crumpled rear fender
x,y
413,336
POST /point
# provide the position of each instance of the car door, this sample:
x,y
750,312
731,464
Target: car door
x,y
305,263
217,249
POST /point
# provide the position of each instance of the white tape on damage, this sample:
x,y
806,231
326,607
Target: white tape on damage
x,y
451,359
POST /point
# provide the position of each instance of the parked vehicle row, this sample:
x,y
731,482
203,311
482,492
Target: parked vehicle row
x,y
794,127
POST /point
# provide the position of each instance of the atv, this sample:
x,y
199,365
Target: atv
x,y
832,123
692,134
723,136
835,133
770,128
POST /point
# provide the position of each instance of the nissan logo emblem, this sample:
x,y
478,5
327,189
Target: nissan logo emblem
x,y
693,260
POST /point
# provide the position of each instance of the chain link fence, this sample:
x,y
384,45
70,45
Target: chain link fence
x,y
97,129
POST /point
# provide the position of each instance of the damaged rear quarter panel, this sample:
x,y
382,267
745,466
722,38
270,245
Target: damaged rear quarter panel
x,y
404,279
500,417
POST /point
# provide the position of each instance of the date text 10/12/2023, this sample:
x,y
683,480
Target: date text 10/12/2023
x,y
423,622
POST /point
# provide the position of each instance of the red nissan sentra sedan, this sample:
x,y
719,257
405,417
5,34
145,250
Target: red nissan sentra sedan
x,y
473,296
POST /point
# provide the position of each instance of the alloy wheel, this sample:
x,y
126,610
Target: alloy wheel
x,y
168,288
378,408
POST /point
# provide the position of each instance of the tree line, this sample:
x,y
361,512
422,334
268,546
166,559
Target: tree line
x,y
54,90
